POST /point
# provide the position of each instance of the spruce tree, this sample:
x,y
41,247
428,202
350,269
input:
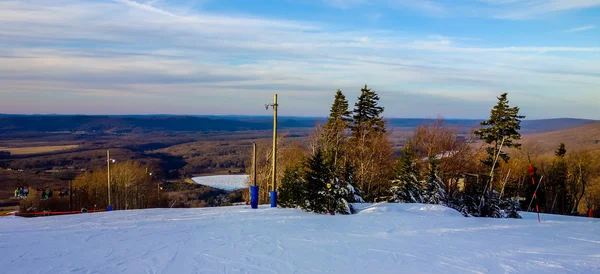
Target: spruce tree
x,y
406,187
333,138
316,178
434,187
370,150
316,196
367,114
333,141
292,190
502,129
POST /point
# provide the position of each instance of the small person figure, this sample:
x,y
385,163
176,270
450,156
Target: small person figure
x,y
16,192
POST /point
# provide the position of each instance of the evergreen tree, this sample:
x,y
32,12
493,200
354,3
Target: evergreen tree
x,y
333,141
309,189
344,193
292,191
367,114
333,137
316,179
502,129
370,151
561,151
406,187
434,190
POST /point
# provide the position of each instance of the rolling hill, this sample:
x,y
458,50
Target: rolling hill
x,y
10,124
582,137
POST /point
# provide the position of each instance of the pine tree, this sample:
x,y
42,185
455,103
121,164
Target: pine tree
x,y
502,129
316,179
367,114
292,191
406,187
333,137
333,141
561,151
344,192
370,150
318,197
434,190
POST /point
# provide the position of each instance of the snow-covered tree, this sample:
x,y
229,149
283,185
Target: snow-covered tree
x,y
406,187
308,188
434,190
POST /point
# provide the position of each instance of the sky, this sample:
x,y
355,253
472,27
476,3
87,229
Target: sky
x,y
424,58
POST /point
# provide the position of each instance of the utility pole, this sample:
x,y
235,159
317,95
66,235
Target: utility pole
x,y
273,178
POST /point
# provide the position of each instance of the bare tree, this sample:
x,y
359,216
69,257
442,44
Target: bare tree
x,y
581,172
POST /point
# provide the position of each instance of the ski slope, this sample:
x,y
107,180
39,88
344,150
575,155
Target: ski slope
x,y
382,238
225,182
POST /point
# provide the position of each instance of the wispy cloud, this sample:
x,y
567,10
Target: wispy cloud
x,y
582,28
155,58
500,9
527,9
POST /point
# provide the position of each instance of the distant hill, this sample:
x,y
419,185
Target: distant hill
x,y
85,123
582,137
128,123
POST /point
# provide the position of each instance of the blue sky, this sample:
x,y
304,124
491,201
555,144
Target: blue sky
x,y
424,58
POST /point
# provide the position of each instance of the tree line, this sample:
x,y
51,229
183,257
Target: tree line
x,y
351,159
132,186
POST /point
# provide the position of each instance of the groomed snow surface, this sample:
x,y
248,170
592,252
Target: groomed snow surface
x,y
381,238
225,182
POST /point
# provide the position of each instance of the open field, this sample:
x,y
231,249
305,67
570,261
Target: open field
x,y
37,150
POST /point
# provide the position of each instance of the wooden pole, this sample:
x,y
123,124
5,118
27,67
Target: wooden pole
x,y
274,180
108,171
254,164
70,195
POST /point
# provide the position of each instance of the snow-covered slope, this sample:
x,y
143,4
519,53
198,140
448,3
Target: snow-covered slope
x,y
226,182
383,238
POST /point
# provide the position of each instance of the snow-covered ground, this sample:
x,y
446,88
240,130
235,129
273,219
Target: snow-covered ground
x,y
225,182
382,238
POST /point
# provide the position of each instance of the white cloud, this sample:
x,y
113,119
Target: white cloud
x,y
526,9
500,9
582,28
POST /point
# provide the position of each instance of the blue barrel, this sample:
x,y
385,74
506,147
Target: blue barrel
x,y
273,198
109,208
254,197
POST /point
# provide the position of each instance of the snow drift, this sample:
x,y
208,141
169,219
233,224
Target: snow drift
x,y
380,238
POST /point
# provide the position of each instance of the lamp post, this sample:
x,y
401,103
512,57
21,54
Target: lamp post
x,y
108,161
274,179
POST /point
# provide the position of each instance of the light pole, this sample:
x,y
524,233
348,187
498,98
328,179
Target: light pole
x,y
108,161
274,179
